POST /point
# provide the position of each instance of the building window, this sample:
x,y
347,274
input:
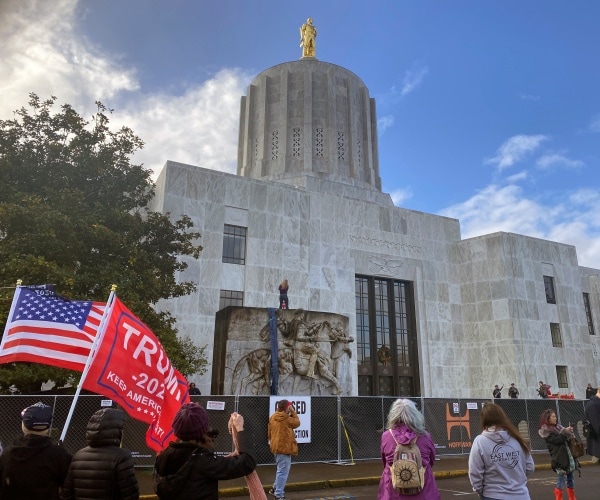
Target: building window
x,y
234,245
556,336
231,298
588,313
561,375
549,286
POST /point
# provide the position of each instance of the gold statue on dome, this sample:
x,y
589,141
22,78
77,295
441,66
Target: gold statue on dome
x,y
308,34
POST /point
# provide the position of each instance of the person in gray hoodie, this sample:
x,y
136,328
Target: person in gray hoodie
x,y
500,460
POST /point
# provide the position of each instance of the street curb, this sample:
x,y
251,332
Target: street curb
x,y
323,484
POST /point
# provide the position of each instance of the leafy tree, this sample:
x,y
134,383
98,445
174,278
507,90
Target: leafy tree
x,y
74,212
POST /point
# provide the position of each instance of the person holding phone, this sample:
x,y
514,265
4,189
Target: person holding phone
x,y
557,439
282,441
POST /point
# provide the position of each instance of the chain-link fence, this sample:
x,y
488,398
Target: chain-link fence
x,y
342,429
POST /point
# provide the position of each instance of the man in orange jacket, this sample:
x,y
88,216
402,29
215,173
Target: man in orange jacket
x,y
282,442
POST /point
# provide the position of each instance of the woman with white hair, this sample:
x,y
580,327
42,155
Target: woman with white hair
x,y
405,424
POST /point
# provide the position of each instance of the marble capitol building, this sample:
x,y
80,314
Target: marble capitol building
x,y
383,300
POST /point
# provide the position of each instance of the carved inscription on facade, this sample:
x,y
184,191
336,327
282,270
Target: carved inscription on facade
x,y
393,246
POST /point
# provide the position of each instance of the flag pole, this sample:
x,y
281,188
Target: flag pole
x,y
86,369
10,314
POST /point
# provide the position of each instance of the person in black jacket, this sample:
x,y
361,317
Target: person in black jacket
x,y
191,427
33,468
589,391
102,470
592,413
557,440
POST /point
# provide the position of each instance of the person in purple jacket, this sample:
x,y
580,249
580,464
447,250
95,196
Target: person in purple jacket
x,y
406,422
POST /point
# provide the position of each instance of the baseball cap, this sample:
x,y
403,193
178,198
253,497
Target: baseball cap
x,y
37,417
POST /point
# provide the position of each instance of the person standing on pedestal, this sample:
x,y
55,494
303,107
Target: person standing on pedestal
x,y
283,295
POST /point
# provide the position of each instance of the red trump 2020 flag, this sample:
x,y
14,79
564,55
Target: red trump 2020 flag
x,y
131,367
45,328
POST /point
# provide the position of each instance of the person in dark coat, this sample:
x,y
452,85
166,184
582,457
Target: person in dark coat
x,y
283,295
102,470
592,413
191,427
33,468
194,391
589,391
562,462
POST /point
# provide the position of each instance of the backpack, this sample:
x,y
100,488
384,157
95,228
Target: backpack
x,y
576,447
171,486
407,471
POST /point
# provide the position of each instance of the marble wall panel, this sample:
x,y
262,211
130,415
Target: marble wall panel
x,y
232,277
430,290
214,218
480,271
210,274
563,314
466,273
257,197
469,312
484,311
500,309
467,292
443,293
276,200
290,231
483,291
443,311
191,273
237,193
456,314
175,179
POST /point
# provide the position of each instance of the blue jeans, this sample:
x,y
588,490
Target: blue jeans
x,y
565,478
284,462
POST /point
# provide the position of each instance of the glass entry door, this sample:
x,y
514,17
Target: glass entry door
x,y
386,338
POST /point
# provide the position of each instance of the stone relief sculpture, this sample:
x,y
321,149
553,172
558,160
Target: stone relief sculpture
x,y
313,357
308,35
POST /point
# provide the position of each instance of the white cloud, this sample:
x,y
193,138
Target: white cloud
x,y
519,176
190,128
400,196
515,149
595,124
557,160
384,123
412,79
575,221
42,53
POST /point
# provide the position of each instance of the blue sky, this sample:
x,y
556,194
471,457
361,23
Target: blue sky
x,y
488,111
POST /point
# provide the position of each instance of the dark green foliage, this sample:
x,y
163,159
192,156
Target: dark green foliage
x,y
73,212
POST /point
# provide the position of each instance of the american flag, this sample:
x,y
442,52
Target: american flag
x,y
47,329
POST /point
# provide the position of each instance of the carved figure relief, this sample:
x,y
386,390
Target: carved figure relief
x,y
313,357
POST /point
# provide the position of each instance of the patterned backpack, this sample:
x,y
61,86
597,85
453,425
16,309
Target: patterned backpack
x,y
408,473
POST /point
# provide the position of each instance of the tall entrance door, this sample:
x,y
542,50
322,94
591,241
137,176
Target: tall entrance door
x,y
386,338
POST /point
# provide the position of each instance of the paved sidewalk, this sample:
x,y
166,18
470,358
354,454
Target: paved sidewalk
x,y
321,475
